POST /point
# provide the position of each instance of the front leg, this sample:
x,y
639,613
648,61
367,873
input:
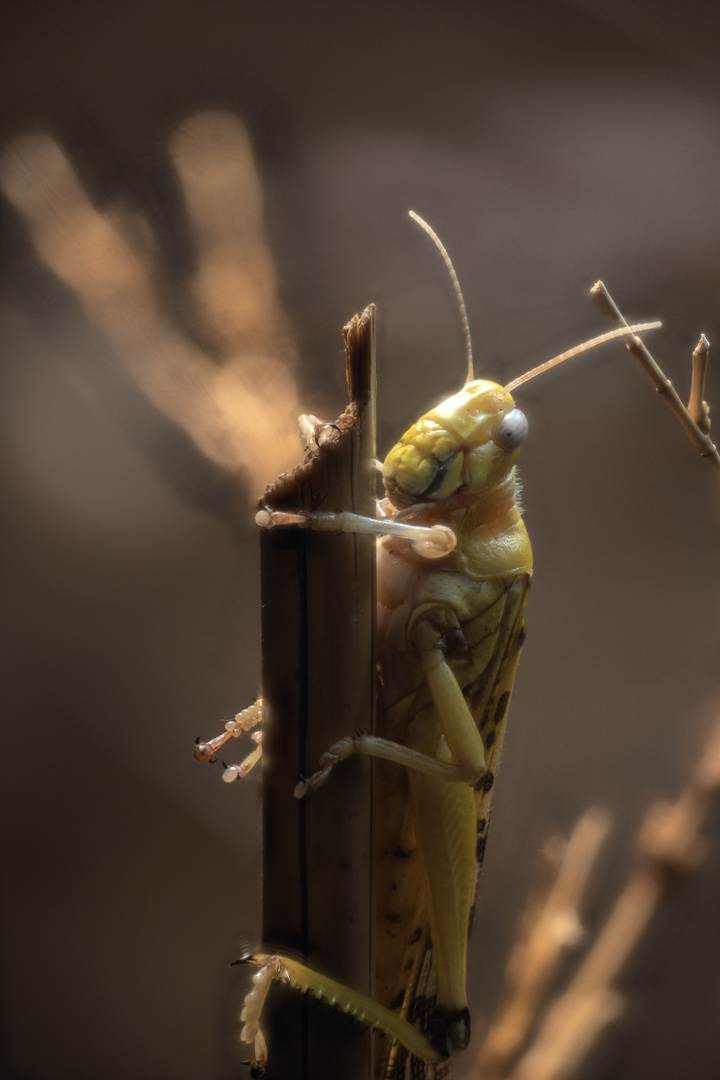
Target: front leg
x,y
432,542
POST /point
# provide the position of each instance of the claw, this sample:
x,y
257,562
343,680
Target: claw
x,y
204,750
256,1071
246,959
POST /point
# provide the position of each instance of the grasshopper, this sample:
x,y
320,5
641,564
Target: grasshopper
x,y
454,568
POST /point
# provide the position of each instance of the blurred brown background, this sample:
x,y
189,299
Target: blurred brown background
x,y
550,144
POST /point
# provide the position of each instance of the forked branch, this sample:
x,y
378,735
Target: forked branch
x,y
670,847
695,417
551,926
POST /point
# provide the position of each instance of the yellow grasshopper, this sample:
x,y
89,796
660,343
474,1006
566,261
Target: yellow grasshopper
x,y
453,573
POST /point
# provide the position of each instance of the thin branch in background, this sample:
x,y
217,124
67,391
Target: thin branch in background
x,y
670,847
695,419
551,926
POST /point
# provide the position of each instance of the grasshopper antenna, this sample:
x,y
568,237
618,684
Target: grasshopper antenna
x,y
620,332
456,286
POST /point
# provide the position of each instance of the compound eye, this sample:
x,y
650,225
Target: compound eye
x,y
512,429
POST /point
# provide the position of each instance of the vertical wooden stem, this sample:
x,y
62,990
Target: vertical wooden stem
x,y
318,620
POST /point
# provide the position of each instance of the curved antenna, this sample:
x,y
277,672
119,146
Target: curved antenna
x,y
456,286
622,330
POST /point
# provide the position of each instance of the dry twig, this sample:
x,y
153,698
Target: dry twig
x,y
670,846
551,926
696,417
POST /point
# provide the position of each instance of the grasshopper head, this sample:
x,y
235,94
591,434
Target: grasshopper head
x,y
465,446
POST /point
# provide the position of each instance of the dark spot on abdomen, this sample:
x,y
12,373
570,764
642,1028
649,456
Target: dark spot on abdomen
x,y
501,707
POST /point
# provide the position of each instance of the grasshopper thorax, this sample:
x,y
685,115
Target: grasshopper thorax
x,y
458,451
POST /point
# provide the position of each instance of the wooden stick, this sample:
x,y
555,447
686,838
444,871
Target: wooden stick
x,y
696,422
318,619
